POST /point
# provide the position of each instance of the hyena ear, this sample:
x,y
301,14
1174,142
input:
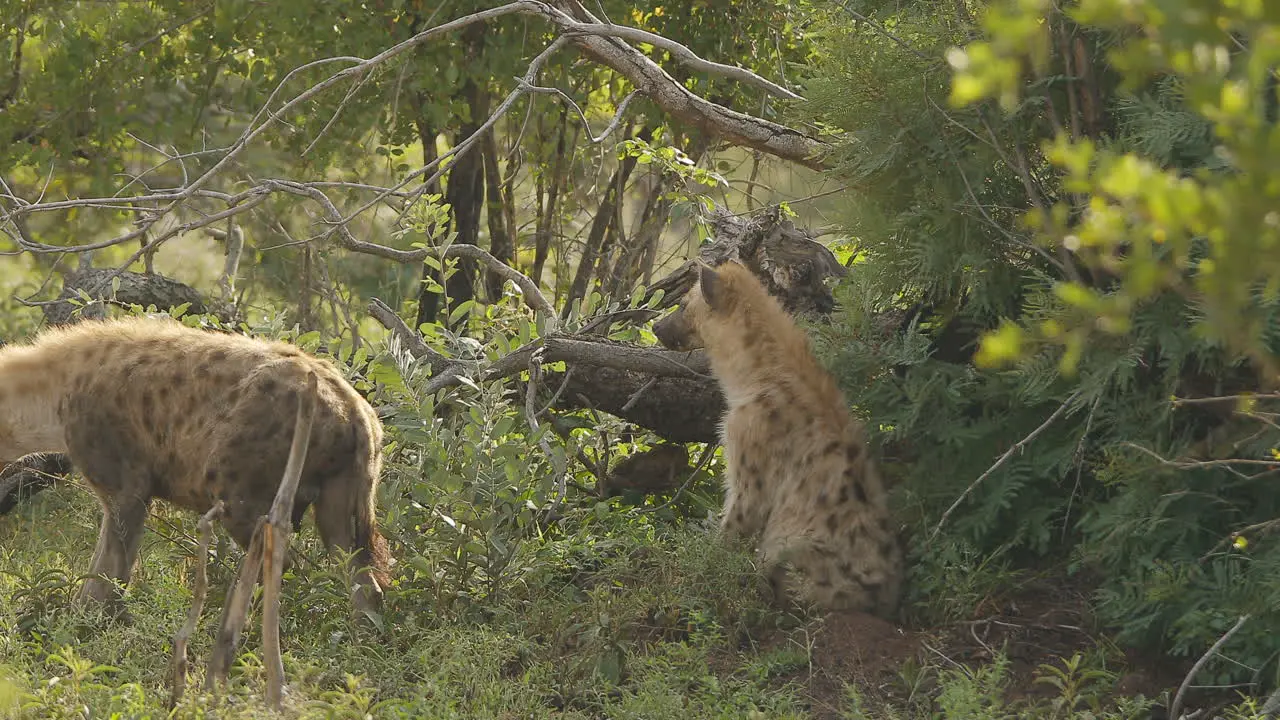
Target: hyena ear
x,y
712,287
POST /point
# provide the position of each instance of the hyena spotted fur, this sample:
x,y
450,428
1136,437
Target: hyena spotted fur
x,y
151,409
799,478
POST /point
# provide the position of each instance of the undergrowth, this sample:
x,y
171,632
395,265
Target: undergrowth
x,y
616,617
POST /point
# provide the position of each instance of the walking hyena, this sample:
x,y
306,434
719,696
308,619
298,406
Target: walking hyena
x,y
798,474
150,408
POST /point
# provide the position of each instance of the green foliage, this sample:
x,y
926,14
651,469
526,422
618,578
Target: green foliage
x,y
1084,451
1155,220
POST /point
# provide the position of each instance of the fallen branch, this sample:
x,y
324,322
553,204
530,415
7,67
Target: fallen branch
x,y
236,610
234,613
668,392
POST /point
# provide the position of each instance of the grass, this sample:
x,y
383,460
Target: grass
x,y
616,628
609,619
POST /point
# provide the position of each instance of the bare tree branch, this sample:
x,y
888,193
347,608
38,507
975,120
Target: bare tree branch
x,y
1016,447
680,102
1175,709
602,41
683,55
178,664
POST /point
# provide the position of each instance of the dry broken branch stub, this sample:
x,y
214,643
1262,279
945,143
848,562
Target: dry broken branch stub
x,y
276,539
178,664
30,474
266,553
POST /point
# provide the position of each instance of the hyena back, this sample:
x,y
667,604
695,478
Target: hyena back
x,y
151,409
799,477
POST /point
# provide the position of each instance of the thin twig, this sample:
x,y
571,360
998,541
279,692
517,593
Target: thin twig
x,y
531,414
276,539
1175,710
1021,444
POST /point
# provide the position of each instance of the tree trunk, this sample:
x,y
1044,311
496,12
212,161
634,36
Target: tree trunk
x,y
547,216
464,192
501,215
606,215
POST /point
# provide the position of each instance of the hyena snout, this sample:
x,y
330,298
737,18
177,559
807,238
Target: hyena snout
x,y
676,332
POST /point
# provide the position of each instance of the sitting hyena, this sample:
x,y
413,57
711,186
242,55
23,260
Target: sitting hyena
x,y
150,408
798,474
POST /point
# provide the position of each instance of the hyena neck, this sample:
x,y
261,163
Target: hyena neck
x,y
744,370
775,359
30,390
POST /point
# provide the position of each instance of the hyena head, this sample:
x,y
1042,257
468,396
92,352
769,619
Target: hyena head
x,y
709,302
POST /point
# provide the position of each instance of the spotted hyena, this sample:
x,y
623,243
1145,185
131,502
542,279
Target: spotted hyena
x,y
799,478
149,408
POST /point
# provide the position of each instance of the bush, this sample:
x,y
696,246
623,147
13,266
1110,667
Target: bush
x,y
967,333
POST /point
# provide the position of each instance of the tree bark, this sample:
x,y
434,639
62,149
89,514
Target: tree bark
x,y
547,218
501,216
606,216
464,192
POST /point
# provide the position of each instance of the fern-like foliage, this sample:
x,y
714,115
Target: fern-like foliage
x,y
1125,482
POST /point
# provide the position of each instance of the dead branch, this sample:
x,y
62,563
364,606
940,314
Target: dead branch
x,y
1016,447
533,297
531,416
683,55
681,103
411,340
266,553
234,248
600,40
276,539
668,392
1228,464
178,665
1175,709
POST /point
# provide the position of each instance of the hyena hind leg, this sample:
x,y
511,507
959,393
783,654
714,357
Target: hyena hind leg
x,y
776,557
119,536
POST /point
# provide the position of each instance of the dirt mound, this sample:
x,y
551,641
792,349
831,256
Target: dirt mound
x,y
1041,622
